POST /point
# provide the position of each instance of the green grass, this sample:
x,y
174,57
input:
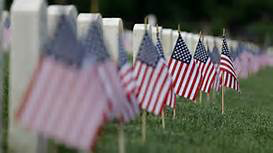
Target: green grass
x,y
246,126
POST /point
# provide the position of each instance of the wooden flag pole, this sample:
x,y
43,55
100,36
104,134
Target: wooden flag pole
x,y
178,28
94,8
163,119
121,138
223,94
174,109
200,94
144,126
144,113
223,84
200,98
208,96
174,113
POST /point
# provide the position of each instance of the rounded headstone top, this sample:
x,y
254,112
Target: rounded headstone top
x,y
89,17
166,31
54,12
84,21
69,10
27,5
142,27
113,22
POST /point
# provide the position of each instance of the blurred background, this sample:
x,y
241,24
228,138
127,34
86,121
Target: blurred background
x,y
250,20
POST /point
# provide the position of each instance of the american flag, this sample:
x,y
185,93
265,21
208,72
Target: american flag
x,y
128,81
206,67
171,100
108,73
227,71
6,33
215,58
64,99
185,72
153,80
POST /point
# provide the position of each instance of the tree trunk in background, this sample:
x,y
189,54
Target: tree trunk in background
x,y
60,1
94,8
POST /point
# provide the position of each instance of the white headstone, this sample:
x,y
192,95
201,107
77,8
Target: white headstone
x,y
218,43
193,42
174,39
112,30
84,20
138,33
167,38
209,42
29,31
54,12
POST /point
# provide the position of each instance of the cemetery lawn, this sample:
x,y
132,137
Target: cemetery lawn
x,y
246,126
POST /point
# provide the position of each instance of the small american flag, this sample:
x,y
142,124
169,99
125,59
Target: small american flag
x,y
128,81
185,72
153,80
215,58
171,100
65,99
206,67
108,73
227,71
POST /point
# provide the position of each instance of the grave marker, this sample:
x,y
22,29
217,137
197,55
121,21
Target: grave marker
x,y
55,11
138,33
167,37
112,29
29,31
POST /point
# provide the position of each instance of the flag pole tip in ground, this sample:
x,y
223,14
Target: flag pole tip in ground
x,y
143,126
163,119
223,95
121,138
174,113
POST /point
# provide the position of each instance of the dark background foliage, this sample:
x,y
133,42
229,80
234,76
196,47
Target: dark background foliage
x,y
245,19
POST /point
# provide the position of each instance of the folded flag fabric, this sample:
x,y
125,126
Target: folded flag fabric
x,y
107,71
227,72
207,68
126,73
153,80
64,100
171,100
215,58
186,75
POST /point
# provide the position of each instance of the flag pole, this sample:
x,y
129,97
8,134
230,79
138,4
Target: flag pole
x,y
162,113
174,112
223,84
200,94
223,94
174,109
208,97
121,138
207,44
144,113
143,131
163,119
178,28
